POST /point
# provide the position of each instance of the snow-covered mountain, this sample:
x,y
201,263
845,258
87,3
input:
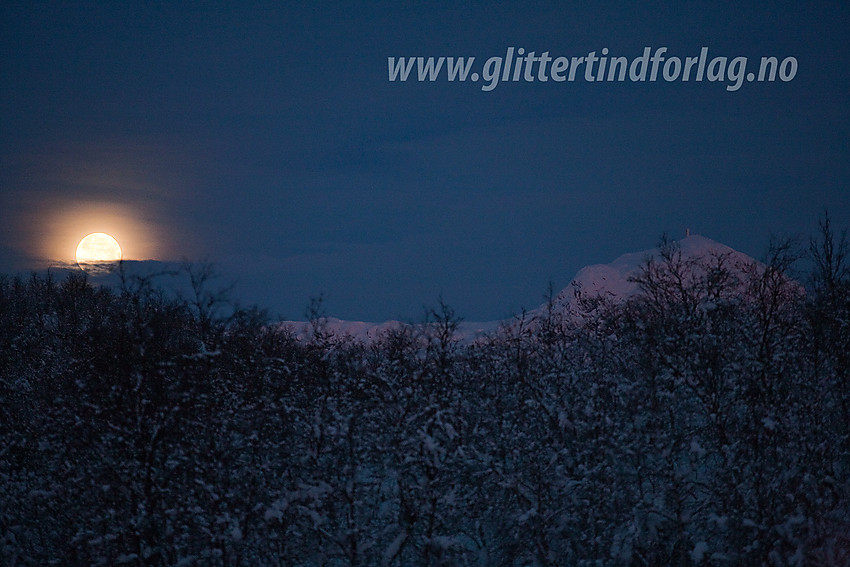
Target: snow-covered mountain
x,y
614,279
611,280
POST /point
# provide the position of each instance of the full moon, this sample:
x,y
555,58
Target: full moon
x,y
98,247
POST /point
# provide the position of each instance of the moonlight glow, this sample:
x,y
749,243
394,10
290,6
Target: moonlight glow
x,y
98,247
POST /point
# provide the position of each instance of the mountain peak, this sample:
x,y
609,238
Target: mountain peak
x,y
614,280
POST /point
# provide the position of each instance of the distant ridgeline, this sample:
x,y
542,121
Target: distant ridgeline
x,y
614,282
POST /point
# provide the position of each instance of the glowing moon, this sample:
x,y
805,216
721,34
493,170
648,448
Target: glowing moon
x,y
98,247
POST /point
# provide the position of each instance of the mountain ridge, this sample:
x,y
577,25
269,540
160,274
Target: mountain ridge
x,y
613,280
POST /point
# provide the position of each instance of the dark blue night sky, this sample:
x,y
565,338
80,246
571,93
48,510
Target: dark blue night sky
x,y
267,139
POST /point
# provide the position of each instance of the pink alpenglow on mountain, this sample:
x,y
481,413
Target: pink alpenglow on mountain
x,y
611,281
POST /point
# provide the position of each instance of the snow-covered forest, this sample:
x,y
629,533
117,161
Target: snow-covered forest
x,y
702,421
